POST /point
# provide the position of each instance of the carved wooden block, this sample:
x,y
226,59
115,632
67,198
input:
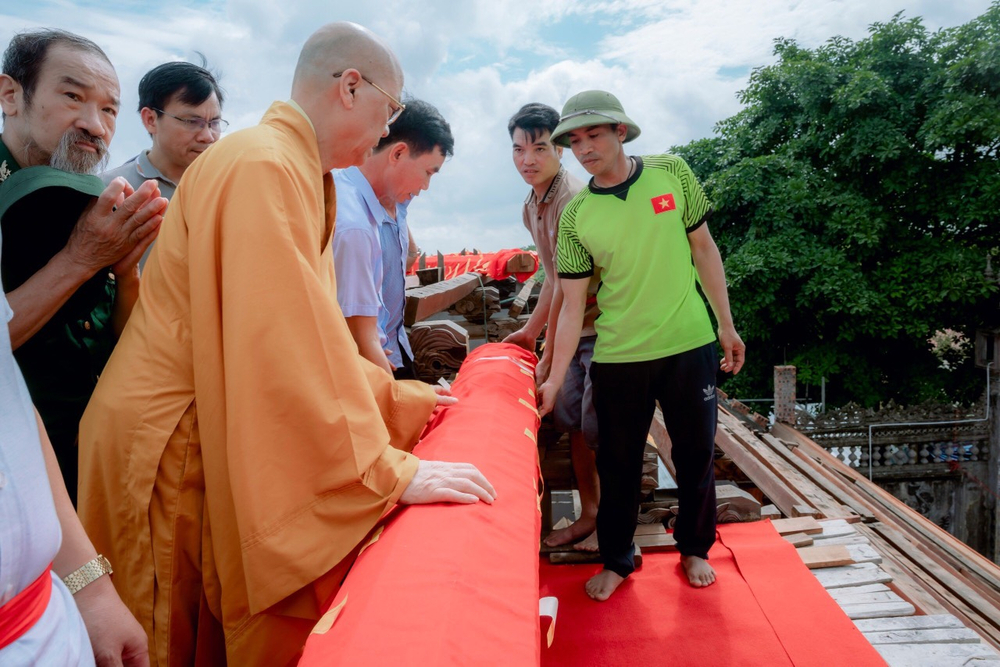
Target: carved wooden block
x,y
473,306
439,348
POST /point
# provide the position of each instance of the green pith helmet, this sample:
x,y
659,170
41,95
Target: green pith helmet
x,y
592,107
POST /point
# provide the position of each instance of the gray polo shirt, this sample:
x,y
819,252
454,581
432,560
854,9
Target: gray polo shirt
x,y
136,171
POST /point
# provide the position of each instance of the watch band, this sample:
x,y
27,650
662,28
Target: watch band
x,y
89,573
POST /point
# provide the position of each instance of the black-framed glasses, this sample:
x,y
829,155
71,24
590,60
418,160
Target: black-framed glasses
x,y
216,125
397,110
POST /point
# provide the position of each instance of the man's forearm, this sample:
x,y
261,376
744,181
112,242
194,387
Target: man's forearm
x,y
554,310
364,330
42,295
126,294
568,329
543,310
712,274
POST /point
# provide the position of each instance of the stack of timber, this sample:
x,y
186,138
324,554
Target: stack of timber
x,y
920,595
446,318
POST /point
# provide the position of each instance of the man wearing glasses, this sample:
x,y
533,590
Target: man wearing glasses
x,y
181,107
372,237
238,449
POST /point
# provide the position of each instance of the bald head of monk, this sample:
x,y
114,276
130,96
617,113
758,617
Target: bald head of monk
x,y
349,84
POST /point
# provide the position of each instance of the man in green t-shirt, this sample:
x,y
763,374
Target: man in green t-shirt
x,y
640,224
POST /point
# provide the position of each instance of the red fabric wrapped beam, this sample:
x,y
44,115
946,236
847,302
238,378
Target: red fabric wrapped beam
x,y
490,264
454,584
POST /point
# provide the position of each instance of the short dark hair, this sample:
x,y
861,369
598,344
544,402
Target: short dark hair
x,y
25,55
534,118
189,83
421,127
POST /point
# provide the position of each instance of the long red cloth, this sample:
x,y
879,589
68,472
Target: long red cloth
x,y
492,264
24,609
455,584
766,608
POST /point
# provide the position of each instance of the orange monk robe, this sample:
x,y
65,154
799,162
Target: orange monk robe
x,y
237,447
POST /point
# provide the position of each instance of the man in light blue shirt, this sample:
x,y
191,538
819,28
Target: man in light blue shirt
x,y
371,237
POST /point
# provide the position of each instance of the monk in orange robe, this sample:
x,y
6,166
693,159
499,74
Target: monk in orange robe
x,y
237,448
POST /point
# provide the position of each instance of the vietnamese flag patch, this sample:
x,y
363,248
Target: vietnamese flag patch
x,y
663,203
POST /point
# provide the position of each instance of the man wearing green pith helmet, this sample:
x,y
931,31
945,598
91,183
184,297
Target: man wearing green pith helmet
x,y
641,225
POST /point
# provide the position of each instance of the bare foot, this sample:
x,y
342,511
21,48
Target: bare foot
x,y
603,584
699,572
589,543
575,531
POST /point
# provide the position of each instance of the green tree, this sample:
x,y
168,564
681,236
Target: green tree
x,y
857,197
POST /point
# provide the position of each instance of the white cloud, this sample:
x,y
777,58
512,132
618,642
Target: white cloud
x,y
479,61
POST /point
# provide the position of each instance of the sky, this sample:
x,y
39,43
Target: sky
x,y
675,65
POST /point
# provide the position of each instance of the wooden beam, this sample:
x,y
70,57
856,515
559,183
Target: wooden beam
x,y
522,262
817,557
521,300
422,302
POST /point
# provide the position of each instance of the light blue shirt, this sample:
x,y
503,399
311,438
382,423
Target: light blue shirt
x,y
357,257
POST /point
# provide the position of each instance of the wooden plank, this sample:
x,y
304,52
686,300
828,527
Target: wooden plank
x,y
879,597
423,302
957,586
813,496
938,655
847,540
857,510
835,528
841,593
933,622
770,512
805,524
805,510
586,557
656,543
521,300
863,610
658,431
650,529
935,636
981,572
863,553
798,539
851,575
787,476
817,557
771,485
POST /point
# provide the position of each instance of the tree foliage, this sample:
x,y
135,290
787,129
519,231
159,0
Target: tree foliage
x,y
857,197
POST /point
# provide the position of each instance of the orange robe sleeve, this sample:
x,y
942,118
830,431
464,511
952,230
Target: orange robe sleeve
x,y
298,464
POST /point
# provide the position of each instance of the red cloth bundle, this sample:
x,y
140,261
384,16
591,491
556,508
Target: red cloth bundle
x,y
454,584
492,264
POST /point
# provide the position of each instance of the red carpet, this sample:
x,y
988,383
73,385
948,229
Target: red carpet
x,y
766,608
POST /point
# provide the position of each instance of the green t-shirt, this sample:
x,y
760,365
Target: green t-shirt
x,y
634,236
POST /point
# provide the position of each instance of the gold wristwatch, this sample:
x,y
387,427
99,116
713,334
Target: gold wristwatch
x,y
89,573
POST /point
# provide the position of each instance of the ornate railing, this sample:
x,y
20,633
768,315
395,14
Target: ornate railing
x,y
901,436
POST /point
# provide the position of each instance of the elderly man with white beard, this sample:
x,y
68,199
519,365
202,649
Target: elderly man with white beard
x,y
71,245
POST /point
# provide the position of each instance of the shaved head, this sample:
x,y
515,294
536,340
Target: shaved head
x,y
348,82
338,46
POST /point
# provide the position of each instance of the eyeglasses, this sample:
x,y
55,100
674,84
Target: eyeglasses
x,y
397,110
216,125
588,112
